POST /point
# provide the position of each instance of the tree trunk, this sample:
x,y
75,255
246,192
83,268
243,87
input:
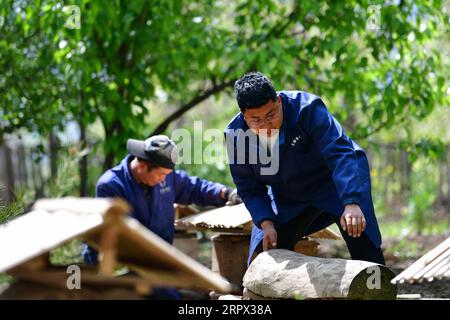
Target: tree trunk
x,y
53,149
83,165
286,274
22,165
37,174
9,188
441,181
447,155
109,159
406,170
386,177
112,132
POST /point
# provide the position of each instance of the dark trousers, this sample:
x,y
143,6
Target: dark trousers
x,y
290,233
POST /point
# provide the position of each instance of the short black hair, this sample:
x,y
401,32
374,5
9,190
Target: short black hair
x,y
254,90
150,165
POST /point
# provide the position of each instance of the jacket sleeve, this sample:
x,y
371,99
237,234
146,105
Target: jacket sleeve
x,y
195,190
336,148
107,190
253,193
251,190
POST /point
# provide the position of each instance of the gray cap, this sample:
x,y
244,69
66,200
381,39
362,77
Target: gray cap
x,y
158,150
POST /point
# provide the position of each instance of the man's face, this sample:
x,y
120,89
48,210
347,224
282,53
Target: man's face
x,y
264,119
152,177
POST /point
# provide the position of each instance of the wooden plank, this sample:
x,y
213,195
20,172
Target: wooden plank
x,y
439,269
408,274
228,217
38,232
431,267
100,206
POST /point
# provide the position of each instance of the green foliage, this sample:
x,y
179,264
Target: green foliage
x,y
422,199
66,182
387,79
70,253
9,212
5,279
125,51
23,199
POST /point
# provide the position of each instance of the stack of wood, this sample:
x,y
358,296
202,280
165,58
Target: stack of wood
x,y
434,265
121,240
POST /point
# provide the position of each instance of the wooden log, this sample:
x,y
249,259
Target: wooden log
x,y
286,274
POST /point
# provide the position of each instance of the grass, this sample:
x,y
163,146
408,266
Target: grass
x,y
402,228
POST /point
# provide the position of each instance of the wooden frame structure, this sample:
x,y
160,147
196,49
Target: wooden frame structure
x,y
26,241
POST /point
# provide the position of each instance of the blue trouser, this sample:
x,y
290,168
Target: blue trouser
x,y
361,248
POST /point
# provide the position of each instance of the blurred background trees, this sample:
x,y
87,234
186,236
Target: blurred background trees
x,y
78,78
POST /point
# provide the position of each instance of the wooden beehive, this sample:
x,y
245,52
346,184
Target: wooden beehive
x,y
230,246
121,240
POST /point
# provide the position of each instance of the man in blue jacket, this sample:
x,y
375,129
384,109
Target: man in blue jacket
x,y
146,179
320,175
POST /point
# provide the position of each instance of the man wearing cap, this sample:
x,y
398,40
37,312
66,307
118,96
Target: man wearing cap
x,y
323,176
146,179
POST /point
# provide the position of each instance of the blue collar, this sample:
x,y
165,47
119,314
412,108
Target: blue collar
x,y
126,165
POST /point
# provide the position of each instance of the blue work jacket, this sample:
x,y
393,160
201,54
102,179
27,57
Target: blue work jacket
x,y
154,206
319,166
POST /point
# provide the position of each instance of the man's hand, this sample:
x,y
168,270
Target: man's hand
x,y
270,235
353,221
232,197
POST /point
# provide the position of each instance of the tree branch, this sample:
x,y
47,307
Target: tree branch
x,y
196,100
276,31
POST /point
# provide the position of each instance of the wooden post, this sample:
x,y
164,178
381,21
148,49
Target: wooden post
x,y
108,249
83,165
53,150
447,156
109,240
9,174
441,181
